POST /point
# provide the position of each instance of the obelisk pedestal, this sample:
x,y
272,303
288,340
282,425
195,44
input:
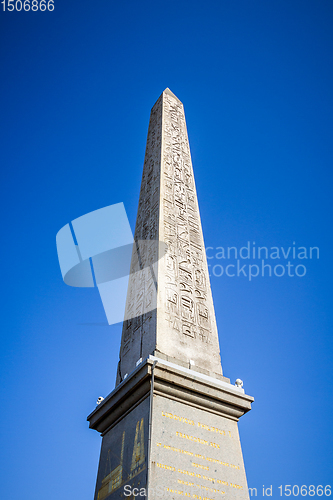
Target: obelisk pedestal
x,y
170,426
176,437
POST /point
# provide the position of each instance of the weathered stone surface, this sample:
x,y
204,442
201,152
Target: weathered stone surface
x,y
195,453
183,326
123,457
170,426
194,445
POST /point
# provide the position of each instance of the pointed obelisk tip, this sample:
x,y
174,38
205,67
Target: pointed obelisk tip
x,y
168,91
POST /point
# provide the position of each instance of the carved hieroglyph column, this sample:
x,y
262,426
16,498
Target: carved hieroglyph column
x,y
170,426
183,327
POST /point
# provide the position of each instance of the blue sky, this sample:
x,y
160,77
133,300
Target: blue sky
x,y
77,85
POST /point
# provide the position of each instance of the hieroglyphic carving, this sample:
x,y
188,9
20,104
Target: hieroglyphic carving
x,y
182,228
168,211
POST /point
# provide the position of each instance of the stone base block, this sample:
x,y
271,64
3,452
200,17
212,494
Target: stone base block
x,y
170,432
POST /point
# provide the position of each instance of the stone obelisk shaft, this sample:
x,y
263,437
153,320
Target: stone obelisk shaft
x,y
182,327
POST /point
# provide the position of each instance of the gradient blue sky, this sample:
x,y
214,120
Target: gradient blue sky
x,y
77,85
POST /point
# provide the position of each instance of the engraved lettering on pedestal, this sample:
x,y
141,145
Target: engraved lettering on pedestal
x,y
114,479
138,456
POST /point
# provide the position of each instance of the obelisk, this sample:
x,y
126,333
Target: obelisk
x,y
170,426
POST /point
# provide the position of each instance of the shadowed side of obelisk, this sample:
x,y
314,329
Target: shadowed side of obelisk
x,y
182,328
139,332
